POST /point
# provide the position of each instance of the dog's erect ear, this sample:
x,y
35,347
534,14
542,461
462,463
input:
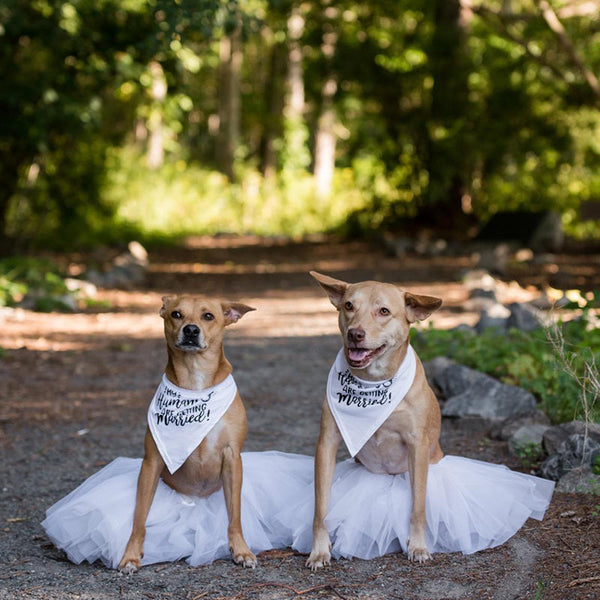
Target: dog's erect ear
x,y
163,309
418,307
234,311
335,288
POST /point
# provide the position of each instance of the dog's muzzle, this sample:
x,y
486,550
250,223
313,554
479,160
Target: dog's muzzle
x,y
190,338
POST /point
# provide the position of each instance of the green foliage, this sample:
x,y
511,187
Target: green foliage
x,y
37,279
530,454
430,114
181,199
522,358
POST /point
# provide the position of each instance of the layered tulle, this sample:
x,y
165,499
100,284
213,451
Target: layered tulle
x,y
471,505
94,521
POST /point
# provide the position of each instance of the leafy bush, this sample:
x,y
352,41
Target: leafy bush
x,y
182,199
36,279
526,359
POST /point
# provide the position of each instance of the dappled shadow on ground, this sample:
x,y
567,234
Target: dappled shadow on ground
x,y
274,266
76,389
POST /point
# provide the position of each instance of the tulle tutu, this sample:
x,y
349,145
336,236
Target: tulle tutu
x,y
94,521
471,505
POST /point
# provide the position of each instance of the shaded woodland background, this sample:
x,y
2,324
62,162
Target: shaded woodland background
x,y
158,118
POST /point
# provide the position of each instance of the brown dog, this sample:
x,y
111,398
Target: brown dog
x,y
374,320
194,328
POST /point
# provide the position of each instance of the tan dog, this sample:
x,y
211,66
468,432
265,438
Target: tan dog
x,y
194,328
374,320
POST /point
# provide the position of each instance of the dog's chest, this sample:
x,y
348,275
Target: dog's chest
x,y
385,452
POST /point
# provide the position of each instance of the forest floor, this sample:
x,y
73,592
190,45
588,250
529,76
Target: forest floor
x,y
74,394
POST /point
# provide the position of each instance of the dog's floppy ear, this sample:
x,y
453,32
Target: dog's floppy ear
x,y
334,287
163,309
420,307
234,311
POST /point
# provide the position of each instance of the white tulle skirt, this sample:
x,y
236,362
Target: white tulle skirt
x,y
94,521
471,505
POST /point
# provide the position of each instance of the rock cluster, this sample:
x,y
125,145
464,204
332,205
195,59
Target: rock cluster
x,y
124,271
570,451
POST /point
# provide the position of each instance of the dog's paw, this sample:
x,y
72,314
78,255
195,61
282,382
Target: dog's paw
x,y
128,567
418,555
245,558
318,560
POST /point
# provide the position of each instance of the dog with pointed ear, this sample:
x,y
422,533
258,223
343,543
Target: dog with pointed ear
x,y
374,321
194,328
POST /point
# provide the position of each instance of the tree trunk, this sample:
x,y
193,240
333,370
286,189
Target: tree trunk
x,y
273,127
229,99
295,154
325,140
156,149
446,151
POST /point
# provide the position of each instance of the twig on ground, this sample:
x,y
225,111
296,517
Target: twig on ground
x,y
325,586
316,588
584,580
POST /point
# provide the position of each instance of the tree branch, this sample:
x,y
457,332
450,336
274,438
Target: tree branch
x,y
500,21
558,28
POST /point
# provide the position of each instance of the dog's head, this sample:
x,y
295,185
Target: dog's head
x,y
374,319
195,323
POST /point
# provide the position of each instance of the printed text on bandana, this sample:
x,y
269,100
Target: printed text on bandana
x,y
360,407
179,419
353,393
172,409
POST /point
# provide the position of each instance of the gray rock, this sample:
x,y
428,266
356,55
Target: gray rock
x,y
480,299
576,451
505,429
82,288
528,438
555,436
470,393
398,247
125,271
525,317
496,317
549,234
138,252
464,327
581,480
456,379
495,258
435,367
479,279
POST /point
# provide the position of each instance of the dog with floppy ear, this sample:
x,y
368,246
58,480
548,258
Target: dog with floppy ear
x,y
194,328
374,321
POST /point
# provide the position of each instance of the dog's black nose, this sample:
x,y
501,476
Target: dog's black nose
x,y
356,335
191,331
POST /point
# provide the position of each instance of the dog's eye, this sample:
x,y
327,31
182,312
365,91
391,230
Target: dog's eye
x,y
208,316
176,314
348,306
384,311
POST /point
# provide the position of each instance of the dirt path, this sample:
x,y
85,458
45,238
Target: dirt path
x,y
75,390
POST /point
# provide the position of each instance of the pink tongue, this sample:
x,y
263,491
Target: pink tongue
x,y
357,354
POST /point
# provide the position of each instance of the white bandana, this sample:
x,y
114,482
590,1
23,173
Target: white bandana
x,y
360,407
180,419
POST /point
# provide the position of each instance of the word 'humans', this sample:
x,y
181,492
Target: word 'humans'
x,y
172,409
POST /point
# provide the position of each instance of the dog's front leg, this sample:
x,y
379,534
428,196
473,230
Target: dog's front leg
x,y
152,466
329,440
418,466
232,489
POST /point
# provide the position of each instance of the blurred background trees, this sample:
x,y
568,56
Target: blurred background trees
x,y
169,117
